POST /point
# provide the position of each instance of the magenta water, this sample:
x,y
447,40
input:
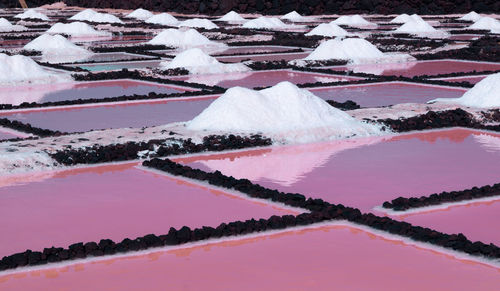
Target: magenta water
x,y
262,78
326,258
364,173
114,202
470,79
263,57
411,69
82,90
77,119
383,94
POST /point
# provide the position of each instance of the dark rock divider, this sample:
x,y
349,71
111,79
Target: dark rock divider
x,y
347,105
402,203
483,49
28,128
158,148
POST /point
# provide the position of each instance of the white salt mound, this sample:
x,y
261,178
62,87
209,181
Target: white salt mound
x,y
404,18
283,112
353,20
420,27
55,44
471,16
32,14
198,23
76,29
141,14
163,19
183,39
294,16
231,16
5,23
6,26
198,62
328,29
356,50
93,16
265,23
485,94
21,69
487,23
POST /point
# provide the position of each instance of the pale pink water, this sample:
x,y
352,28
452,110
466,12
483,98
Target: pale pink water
x,y
470,79
6,135
109,57
364,173
85,118
112,202
326,258
411,69
264,57
384,94
262,78
85,90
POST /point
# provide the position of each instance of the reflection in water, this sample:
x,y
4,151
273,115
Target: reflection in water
x,y
379,69
215,79
489,142
16,95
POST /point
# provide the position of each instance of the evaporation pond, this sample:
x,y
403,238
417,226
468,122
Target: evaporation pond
x,y
16,95
383,94
332,257
363,173
113,201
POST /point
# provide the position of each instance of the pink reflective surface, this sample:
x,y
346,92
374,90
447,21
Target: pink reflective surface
x,y
364,173
113,202
85,90
264,57
326,258
78,119
6,135
383,94
411,69
253,50
262,78
470,79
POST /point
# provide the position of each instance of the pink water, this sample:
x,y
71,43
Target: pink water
x,y
411,69
84,118
262,78
84,90
253,50
264,57
6,135
470,79
326,258
464,37
109,57
364,173
111,202
383,94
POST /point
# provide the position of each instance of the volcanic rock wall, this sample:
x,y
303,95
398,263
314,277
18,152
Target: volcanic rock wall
x,y
216,7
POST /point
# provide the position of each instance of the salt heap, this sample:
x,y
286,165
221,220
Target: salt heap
x,y
32,14
353,20
21,69
93,16
163,19
471,16
231,16
404,18
283,112
265,23
328,29
355,50
294,16
198,62
76,29
485,94
57,49
487,23
420,28
183,39
141,14
6,26
198,23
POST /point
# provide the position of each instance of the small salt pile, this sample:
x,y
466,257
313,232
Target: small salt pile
x,y
141,14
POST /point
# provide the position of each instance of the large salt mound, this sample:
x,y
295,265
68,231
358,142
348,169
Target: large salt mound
x,y
57,49
6,26
484,94
328,29
183,39
21,69
283,112
404,18
487,23
198,23
356,50
420,28
93,16
163,19
471,16
32,14
294,16
353,20
231,16
198,62
265,23
76,29
140,13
